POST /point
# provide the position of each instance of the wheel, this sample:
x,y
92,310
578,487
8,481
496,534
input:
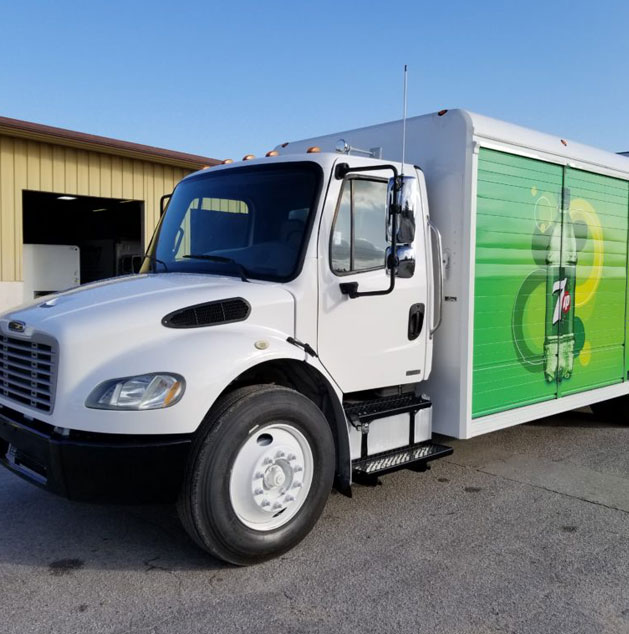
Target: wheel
x,y
258,476
614,410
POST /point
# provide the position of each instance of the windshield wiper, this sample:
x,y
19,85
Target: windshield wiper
x,y
219,258
154,259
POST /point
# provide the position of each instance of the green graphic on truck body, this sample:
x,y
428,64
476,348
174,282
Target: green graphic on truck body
x,y
550,282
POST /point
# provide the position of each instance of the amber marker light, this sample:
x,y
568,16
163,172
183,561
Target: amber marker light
x,y
564,142
441,113
172,393
227,161
272,153
248,157
313,149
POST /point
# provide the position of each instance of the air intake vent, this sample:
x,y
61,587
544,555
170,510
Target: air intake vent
x,y
224,311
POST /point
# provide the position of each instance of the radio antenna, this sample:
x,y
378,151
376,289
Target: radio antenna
x,y
404,121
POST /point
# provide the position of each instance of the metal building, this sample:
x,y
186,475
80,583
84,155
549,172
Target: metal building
x,y
76,207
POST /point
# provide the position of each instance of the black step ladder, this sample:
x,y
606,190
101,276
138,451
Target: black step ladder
x,y
414,456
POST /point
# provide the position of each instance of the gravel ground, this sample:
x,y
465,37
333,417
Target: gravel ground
x,y
523,530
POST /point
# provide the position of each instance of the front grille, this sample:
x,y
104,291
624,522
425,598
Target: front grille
x,y
28,371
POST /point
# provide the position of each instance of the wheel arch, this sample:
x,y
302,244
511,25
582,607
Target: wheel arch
x,y
314,385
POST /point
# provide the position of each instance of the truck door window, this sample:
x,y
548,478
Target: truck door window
x,y
358,241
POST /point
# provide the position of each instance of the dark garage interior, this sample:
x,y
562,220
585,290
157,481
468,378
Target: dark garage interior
x,y
108,231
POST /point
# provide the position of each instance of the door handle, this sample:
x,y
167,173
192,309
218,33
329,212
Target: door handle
x,y
415,320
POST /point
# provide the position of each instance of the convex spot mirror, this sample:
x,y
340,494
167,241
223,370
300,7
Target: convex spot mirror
x,y
403,262
406,200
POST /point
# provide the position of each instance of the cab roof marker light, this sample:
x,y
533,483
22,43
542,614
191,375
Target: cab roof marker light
x,y
227,161
441,113
248,157
284,144
272,153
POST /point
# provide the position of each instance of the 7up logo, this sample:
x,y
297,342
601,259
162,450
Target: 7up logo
x,y
561,273
563,300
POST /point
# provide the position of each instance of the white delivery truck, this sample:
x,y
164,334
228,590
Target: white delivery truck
x,y
315,316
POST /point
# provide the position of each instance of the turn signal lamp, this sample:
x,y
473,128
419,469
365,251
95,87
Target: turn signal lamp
x,y
313,149
227,161
248,157
272,153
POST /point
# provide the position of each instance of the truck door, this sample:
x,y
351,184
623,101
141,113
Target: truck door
x,y
373,341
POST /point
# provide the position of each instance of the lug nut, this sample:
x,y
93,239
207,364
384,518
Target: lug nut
x,y
277,505
289,498
258,475
280,454
296,485
267,461
291,456
258,492
298,468
264,503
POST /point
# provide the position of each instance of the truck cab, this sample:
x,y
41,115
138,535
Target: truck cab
x,y
275,341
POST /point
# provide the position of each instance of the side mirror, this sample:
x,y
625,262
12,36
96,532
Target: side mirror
x,y
163,203
406,201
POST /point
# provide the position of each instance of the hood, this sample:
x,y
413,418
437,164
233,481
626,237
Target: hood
x,y
129,302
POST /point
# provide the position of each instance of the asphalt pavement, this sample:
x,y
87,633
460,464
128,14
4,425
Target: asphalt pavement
x,y
523,530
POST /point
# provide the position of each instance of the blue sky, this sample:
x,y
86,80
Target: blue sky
x,y
226,78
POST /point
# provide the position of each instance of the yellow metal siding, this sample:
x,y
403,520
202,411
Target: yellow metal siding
x,y
63,170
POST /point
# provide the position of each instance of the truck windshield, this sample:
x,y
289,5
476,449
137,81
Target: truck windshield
x,y
247,222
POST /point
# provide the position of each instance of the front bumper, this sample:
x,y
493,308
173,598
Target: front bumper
x,y
92,466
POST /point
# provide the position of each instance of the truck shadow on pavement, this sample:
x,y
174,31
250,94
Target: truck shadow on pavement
x,y
40,529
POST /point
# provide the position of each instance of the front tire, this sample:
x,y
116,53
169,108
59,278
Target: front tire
x,y
259,474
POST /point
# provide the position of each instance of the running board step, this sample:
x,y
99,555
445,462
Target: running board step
x,y
367,411
412,457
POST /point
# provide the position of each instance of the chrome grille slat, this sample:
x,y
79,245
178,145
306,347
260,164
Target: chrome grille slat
x,y
23,366
37,395
43,406
28,370
30,358
25,382
28,349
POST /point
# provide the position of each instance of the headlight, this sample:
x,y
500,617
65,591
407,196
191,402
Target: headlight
x,y
147,391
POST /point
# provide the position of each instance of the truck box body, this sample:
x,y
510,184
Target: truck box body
x,y
535,260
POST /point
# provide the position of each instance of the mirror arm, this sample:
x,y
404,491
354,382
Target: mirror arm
x,y
351,288
163,203
343,169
